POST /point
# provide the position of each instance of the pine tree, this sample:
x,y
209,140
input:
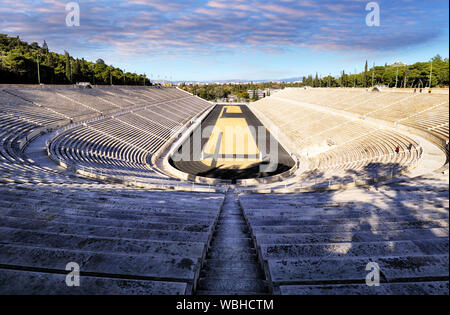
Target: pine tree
x,y
405,78
51,64
68,67
45,47
76,70
365,74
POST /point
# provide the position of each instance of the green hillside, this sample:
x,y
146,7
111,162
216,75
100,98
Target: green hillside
x,y
19,64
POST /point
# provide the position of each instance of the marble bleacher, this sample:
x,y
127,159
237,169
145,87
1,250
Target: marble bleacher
x,y
321,243
28,110
425,111
125,241
336,145
319,124
122,145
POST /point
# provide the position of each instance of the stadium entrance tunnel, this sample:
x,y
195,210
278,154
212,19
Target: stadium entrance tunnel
x,y
232,144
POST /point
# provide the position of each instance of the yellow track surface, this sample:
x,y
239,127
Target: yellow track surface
x,y
234,137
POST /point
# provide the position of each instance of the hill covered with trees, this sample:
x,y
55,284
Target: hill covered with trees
x,y
19,64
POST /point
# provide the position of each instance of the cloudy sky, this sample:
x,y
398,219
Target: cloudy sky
x,y
234,39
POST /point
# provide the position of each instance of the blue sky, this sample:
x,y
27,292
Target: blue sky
x,y
235,39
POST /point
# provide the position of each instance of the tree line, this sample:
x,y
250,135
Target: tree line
x,y
25,63
434,73
396,75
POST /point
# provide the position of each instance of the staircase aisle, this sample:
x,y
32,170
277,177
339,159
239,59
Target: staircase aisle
x,y
231,266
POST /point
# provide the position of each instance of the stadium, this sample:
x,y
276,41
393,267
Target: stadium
x,y
149,189
86,177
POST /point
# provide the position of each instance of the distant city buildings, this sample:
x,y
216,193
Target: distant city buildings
x,y
260,93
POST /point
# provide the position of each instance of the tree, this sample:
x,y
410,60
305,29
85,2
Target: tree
x,y
34,45
437,59
343,79
366,67
405,78
68,66
76,70
45,47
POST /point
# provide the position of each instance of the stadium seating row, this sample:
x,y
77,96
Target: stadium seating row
x,y
154,241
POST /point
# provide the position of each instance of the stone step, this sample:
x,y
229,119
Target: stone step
x,y
222,272
231,215
236,231
315,205
99,231
296,221
292,271
133,220
232,223
169,218
417,288
235,285
106,245
349,227
118,205
18,282
231,275
338,237
229,221
223,241
433,247
342,250
217,263
173,198
174,268
112,209
102,222
232,254
347,214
